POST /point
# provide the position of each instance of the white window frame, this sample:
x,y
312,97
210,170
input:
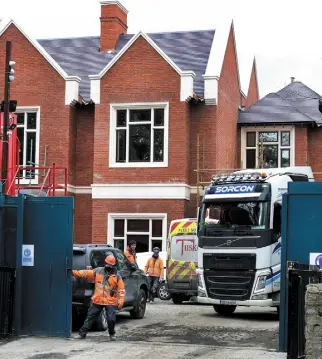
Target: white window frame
x,y
278,129
126,216
26,109
112,146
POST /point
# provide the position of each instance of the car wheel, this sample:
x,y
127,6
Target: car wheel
x,y
140,306
162,292
101,323
225,309
177,299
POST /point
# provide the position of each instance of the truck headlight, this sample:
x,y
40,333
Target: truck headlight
x,y
261,283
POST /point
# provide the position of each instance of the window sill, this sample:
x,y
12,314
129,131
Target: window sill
x,y
139,165
26,182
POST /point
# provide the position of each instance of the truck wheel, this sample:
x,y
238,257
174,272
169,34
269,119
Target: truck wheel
x,y
177,299
140,306
225,309
162,292
101,323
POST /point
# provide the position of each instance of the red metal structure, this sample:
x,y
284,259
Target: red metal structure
x,y
47,187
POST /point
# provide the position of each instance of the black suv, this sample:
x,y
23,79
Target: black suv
x,y
91,256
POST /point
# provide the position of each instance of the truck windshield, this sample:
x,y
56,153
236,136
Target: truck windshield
x,y
233,214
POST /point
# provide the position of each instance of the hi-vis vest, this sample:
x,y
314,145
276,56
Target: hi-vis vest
x,y
154,267
109,288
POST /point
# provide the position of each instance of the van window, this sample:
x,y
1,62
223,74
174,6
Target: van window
x,y
277,221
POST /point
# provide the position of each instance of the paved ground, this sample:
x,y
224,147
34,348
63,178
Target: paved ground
x,y
167,331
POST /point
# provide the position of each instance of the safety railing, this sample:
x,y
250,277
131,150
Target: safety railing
x,y
299,276
7,283
48,186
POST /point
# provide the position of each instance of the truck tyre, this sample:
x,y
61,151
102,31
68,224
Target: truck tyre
x,y
139,308
177,298
101,323
162,292
225,309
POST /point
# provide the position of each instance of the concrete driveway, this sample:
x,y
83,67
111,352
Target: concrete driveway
x,y
168,331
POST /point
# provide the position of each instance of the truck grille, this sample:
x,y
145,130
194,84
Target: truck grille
x,y
232,261
228,285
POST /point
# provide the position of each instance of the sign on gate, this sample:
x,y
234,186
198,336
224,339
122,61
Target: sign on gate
x,y
316,259
28,255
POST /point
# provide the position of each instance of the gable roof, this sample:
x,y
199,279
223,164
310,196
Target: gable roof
x,y
295,103
4,25
188,50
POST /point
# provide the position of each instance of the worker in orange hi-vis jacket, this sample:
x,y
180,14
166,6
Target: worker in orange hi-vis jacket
x,y
155,270
130,252
109,294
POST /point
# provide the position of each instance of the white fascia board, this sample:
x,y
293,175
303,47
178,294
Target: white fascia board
x,y
216,61
68,88
141,191
114,2
95,89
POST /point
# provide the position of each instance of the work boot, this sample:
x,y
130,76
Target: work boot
x,y
80,336
112,337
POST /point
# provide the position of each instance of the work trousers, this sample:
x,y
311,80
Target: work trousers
x,y
93,313
153,285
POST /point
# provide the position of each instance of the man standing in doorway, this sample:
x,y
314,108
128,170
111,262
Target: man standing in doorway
x,y
155,270
109,294
130,253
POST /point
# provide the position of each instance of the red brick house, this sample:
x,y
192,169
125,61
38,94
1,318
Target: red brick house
x,y
122,112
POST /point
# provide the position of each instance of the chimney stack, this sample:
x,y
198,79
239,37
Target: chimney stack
x,y
292,79
113,23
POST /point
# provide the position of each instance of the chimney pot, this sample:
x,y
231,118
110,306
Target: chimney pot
x,y
113,23
292,79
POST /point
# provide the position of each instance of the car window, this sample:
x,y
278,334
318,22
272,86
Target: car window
x,y
97,257
122,261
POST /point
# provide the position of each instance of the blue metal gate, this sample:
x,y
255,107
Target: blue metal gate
x,y
43,291
301,235
48,225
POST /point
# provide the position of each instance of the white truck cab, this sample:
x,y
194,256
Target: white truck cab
x,y
239,237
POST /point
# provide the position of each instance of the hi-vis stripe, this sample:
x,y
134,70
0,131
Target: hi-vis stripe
x,y
181,269
183,227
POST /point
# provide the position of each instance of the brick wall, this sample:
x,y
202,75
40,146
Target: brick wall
x,y
315,150
83,218
142,75
37,83
227,112
85,145
253,94
301,146
101,207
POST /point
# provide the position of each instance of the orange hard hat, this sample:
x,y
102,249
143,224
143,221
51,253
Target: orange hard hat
x,y
110,260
